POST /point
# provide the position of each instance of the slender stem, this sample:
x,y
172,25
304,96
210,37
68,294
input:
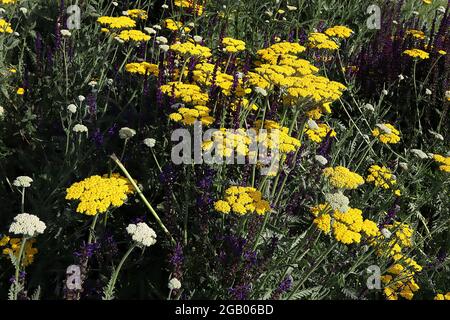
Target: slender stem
x,y
112,284
141,195
22,203
19,262
92,229
305,278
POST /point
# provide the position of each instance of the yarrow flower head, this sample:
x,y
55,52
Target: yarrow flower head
x,y
342,178
150,142
97,194
27,225
386,133
22,182
142,234
417,53
242,201
126,133
174,284
79,128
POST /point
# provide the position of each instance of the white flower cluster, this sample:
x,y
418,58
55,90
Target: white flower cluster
x,y
174,283
72,108
2,112
79,128
27,224
338,201
150,142
126,133
142,234
22,182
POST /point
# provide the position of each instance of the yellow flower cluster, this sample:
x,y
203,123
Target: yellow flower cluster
x,y
347,227
382,177
342,178
134,35
143,68
386,133
97,194
417,53
339,32
117,22
190,4
275,137
418,34
399,280
444,161
188,93
441,296
321,41
191,49
188,116
242,201
137,14
233,45
14,248
272,53
317,134
5,27
226,141
7,1
173,25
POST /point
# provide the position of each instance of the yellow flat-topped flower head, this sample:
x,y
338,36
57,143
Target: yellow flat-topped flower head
x,y
242,201
342,178
97,194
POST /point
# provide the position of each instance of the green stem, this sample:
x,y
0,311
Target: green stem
x,y
92,229
112,283
18,264
141,195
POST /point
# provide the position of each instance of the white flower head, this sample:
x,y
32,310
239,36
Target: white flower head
x,y
403,165
174,283
386,233
72,108
261,91
126,133
23,10
161,40
165,6
79,128
436,135
291,8
419,153
198,39
385,92
22,182
312,125
320,159
447,95
338,201
81,98
150,142
441,9
369,107
142,234
2,112
428,92
150,30
92,83
65,33
27,225
115,3
384,128
401,77
157,27
164,47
